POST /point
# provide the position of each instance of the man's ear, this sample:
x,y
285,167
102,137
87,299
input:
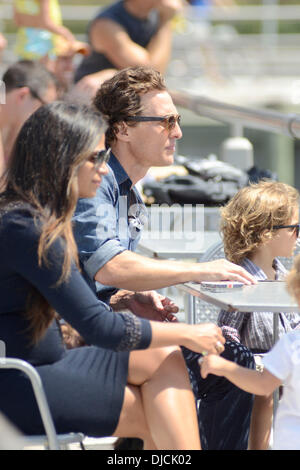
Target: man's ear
x,y
21,93
122,131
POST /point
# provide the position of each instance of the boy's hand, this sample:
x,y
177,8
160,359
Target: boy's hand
x,y
212,364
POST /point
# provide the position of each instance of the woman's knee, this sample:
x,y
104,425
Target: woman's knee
x,y
170,353
143,365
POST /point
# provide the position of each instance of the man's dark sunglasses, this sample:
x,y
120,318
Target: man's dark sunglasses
x,y
296,227
169,122
99,158
34,94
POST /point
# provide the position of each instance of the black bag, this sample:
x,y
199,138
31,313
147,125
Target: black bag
x,y
255,175
209,182
190,189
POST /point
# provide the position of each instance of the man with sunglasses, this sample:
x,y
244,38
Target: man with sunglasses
x,y
28,85
143,126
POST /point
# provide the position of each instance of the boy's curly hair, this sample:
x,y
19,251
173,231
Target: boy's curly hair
x,y
248,219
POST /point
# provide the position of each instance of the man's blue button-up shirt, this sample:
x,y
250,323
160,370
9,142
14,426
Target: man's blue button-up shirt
x,y
108,224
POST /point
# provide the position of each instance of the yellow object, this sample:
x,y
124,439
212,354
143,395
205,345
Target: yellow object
x,y
179,24
35,43
161,172
32,7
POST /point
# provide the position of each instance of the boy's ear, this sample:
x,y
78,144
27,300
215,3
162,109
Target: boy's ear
x,y
266,235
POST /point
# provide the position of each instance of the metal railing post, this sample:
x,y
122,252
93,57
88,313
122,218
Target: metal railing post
x,y
237,151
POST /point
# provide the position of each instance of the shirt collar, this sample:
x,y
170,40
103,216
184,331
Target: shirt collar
x,y
258,273
119,172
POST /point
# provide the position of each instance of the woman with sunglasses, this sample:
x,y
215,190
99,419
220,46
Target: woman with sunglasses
x,y
260,224
132,380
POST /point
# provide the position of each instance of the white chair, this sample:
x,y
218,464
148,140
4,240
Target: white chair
x,y
51,440
10,436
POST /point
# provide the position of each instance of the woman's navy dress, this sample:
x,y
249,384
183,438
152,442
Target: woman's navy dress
x,y
84,386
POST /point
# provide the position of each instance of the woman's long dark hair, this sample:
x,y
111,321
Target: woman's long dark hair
x,y
50,147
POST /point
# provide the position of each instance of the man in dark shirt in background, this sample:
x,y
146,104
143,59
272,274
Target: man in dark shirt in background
x,y
127,33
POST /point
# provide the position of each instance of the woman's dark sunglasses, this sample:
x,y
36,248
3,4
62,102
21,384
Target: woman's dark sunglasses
x,y
296,228
169,122
99,158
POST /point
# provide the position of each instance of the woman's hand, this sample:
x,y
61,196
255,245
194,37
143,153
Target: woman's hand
x,y
205,338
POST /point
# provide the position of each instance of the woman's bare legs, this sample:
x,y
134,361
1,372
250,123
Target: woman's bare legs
x,y
168,403
132,422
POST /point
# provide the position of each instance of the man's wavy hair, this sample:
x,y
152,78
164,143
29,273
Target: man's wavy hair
x,y
248,219
120,96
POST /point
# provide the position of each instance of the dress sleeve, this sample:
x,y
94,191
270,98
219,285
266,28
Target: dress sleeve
x,y
73,299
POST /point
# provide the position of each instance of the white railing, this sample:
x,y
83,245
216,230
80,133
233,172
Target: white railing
x,y
260,119
273,12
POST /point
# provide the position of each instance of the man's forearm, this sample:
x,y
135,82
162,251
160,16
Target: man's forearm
x,y
133,272
159,48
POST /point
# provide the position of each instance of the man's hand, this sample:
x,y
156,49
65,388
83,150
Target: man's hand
x,y
169,8
153,306
222,270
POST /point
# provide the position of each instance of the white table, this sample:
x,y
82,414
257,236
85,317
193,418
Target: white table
x,y
265,296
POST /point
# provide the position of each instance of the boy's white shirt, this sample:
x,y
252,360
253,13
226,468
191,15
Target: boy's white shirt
x,y
283,361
